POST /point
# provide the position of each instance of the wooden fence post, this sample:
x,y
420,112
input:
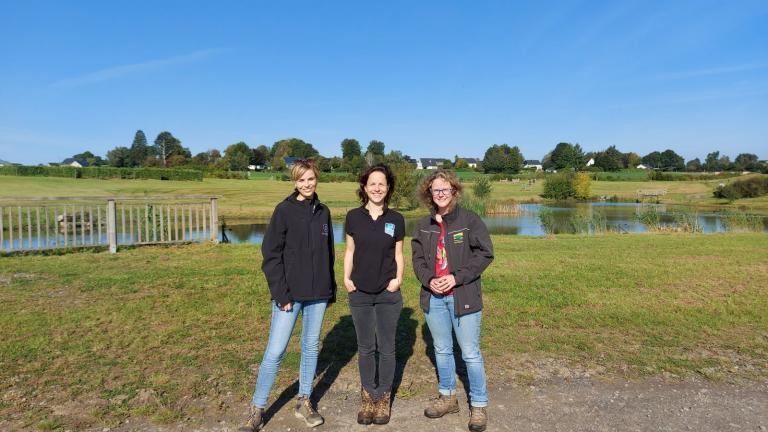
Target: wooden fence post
x,y
214,221
112,225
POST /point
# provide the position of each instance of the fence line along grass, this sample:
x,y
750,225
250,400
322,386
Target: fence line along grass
x,y
147,332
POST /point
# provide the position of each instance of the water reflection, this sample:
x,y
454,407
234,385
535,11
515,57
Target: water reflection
x,y
619,217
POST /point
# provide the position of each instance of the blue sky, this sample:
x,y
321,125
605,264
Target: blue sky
x,y
432,79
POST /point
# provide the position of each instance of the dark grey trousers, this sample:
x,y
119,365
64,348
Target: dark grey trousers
x,y
375,317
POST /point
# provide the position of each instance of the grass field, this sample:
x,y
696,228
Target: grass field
x,y
243,199
99,332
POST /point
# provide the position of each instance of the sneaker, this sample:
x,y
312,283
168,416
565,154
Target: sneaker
x,y
367,408
304,411
478,419
441,406
255,420
381,415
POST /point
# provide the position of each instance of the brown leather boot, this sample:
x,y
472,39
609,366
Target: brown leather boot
x,y
478,419
367,408
441,406
381,415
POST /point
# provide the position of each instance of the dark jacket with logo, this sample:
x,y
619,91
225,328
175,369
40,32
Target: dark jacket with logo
x,y
469,250
298,252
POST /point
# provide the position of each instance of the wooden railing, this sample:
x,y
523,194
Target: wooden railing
x,y
73,222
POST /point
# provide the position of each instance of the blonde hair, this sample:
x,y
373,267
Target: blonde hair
x,y
301,166
425,188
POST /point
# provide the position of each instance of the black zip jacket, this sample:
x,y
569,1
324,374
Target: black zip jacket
x,y
469,250
298,252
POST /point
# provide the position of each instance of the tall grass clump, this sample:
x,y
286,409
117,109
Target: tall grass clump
x,y
740,221
650,217
547,219
599,222
687,220
579,223
474,204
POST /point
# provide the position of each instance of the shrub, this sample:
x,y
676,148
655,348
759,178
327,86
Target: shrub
x,y
103,172
582,186
559,187
650,217
752,187
482,188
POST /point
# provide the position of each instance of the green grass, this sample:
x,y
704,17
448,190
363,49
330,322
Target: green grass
x,y
193,320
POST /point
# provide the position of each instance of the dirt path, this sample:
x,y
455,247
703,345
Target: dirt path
x,y
582,405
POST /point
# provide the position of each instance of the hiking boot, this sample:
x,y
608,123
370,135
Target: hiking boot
x,y
367,408
381,415
304,411
441,406
255,420
478,419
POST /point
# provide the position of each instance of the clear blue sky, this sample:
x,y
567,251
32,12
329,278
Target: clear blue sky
x,y
432,79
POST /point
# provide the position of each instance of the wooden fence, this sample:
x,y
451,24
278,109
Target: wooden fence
x,y
56,223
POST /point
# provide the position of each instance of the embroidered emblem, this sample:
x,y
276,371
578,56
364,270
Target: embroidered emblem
x,y
389,228
458,237
325,230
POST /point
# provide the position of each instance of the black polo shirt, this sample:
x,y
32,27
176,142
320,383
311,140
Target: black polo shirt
x,y
373,265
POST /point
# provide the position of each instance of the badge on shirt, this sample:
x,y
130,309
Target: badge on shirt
x,y
389,228
458,237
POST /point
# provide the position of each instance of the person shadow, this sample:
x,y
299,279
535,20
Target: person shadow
x,y
461,366
339,346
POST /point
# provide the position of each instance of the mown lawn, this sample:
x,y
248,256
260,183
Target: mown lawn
x,y
190,322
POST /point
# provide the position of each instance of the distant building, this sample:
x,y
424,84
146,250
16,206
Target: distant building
x,y
591,162
641,166
430,163
78,163
290,160
471,162
533,163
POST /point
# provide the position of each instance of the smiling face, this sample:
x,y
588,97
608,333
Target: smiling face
x,y
306,185
376,188
442,194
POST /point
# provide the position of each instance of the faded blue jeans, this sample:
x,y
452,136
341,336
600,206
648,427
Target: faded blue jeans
x,y
442,322
279,335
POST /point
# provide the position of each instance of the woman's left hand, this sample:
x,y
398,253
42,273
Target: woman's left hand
x,y
446,283
394,285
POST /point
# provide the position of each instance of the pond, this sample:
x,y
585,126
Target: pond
x,y
620,217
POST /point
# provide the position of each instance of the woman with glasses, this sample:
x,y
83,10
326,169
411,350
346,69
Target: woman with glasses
x,y
298,265
451,249
373,273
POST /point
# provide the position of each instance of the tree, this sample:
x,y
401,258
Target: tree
x,y
582,186
566,155
404,195
293,147
167,145
482,188
237,156
746,161
139,150
461,164
609,160
350,148
119,157
259,155
376,148
693,165
502,158
631,160
90,158
712,162
671,161
652,159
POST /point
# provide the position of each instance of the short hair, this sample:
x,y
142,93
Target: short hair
x,y
425,188
301,166
382,168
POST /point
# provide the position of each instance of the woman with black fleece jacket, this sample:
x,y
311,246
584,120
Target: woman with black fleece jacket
x,y
298,256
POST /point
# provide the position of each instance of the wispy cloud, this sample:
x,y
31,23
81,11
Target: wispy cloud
x,y
712,71
125,70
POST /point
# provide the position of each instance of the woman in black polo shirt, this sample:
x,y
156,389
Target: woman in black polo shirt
x,y
373,273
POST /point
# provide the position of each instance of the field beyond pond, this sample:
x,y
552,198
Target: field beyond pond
x,y
168,333
255,199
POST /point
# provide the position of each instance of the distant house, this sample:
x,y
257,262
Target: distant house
x,y
591,162
260,167
533,163
551,170
641,166
78,163
290,160
410,160
471,162
430,163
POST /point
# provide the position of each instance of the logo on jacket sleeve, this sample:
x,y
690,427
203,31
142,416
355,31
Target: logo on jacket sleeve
x,y
389,229
325,230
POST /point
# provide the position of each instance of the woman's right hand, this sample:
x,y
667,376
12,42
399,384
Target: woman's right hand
x,y
349,285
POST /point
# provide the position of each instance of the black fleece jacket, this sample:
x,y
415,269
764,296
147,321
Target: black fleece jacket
x,y
298,252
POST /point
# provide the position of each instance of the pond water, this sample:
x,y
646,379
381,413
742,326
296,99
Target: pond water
x,y
621,217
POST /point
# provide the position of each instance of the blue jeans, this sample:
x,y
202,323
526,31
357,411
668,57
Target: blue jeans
x,y
279,335
442,322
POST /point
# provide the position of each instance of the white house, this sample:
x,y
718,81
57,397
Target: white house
x,y
430,163
77,163
533,163
591,162
471,162
641,166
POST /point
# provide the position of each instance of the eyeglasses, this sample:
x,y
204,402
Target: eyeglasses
x,y
438,192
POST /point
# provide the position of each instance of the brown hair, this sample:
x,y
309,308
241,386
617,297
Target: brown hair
x,y
425,188
301,166
364,181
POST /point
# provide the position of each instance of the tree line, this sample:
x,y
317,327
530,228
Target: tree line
x,y
168,151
